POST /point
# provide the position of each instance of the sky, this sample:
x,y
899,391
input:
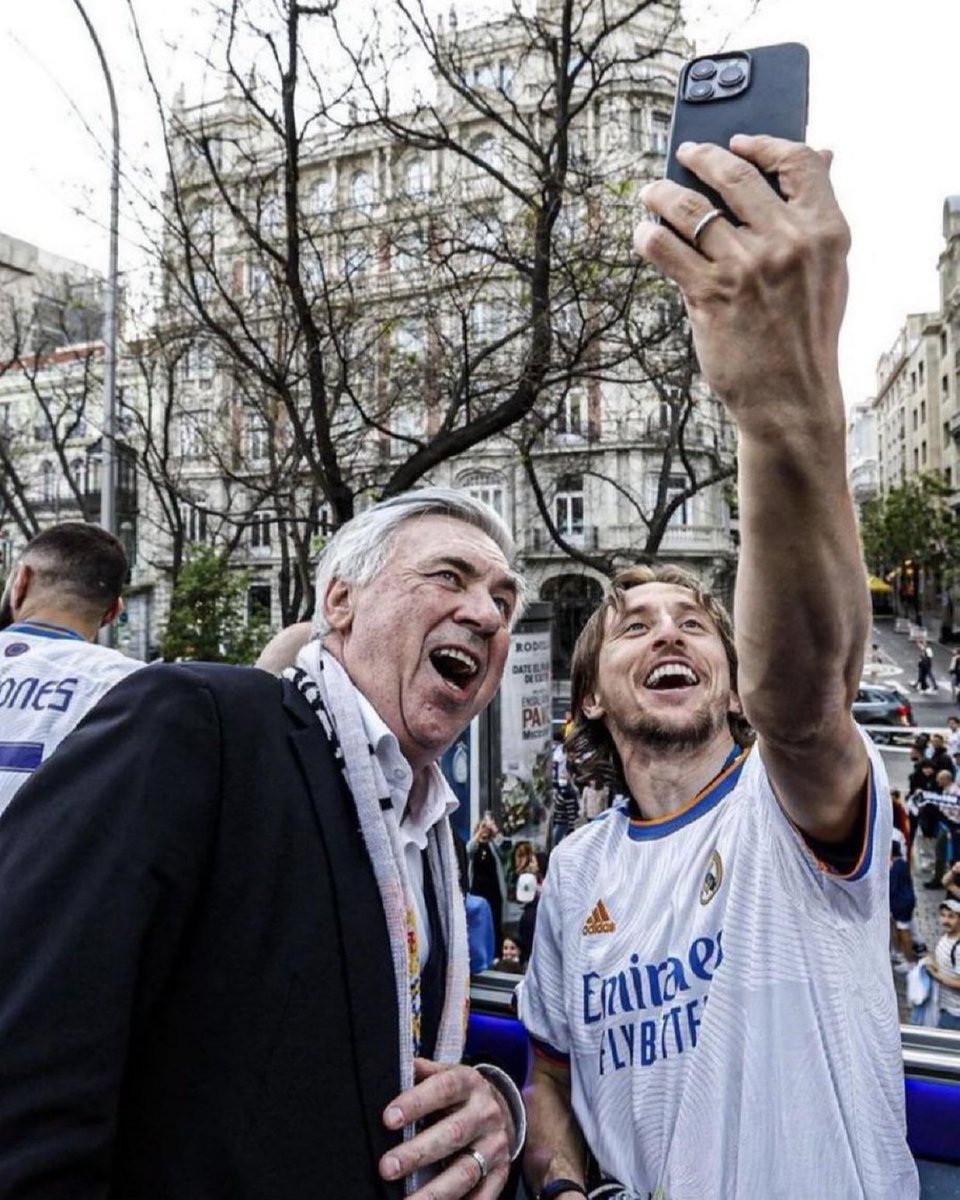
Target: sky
x,y
882,94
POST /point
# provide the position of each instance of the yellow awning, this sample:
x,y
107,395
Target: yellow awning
x,y
877,585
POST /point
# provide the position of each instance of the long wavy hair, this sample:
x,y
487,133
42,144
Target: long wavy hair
x,y
589,747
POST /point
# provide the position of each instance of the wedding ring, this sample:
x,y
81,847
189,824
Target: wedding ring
x,y
479,1160
701,225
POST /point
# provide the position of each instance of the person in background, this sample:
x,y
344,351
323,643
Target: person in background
x,y
509,960
528,918
944,966
903,902
486,875
480,938
522,861
955,678
594,798
940,756
953,732
63,590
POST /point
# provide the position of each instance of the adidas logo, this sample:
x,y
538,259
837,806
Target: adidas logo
x,y
599,920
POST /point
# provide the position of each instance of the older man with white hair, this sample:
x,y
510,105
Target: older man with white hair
x,y
234,950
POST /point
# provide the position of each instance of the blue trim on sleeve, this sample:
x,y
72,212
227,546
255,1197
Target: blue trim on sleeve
x,y
866,855
545,1050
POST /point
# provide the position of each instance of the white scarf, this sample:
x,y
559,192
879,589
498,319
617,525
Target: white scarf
x,y
332,696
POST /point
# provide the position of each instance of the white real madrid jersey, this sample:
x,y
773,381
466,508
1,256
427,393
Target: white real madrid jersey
x,y
49,677
725,1002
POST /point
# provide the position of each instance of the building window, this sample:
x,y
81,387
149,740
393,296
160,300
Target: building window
x,y
484,147
943,343
915,420
416,178
203,282
321,197
923,412
945,385
361,191
47,477
920,373
568,505
486,487
271,219
256,430
194,427
681,515
923,454
410,249
409,341
570,418
260,525
259,598
659,131
487,320
355,258
194,521
259,279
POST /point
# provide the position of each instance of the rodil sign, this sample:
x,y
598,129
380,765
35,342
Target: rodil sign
x,y
525,702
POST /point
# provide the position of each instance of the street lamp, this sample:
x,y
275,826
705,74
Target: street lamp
x,y
108,472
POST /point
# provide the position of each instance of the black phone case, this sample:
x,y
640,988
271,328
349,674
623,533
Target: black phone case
x,y
774,102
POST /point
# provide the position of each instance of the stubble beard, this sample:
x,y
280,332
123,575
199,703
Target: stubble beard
x,y
673,737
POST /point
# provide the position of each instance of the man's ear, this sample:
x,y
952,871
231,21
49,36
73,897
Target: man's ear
x,y
114,611
591,707
20,586
338,605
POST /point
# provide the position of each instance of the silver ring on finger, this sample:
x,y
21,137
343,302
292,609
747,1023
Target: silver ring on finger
x,y
480,1161
698,230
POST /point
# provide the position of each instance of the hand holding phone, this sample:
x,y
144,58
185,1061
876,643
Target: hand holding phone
x,y
759,91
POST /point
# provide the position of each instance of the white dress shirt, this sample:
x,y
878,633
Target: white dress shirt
x,y
414,825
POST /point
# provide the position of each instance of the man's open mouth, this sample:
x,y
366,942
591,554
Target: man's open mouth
x,y
456,666
668,676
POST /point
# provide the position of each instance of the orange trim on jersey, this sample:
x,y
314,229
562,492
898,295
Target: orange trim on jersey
x,y
649,822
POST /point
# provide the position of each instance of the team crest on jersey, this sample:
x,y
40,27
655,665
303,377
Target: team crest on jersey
x,y
712,879
15,649
599,920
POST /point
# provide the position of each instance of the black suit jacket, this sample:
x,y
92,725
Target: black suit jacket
x,y
196,992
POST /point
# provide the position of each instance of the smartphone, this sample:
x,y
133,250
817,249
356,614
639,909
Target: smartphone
x,y
763,90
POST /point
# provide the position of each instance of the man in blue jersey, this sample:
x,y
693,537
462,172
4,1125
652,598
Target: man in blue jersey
x,y
65,587
709,994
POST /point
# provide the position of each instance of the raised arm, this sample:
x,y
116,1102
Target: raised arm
x,y
765,301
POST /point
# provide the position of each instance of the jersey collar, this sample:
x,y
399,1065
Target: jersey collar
x,y
45,629
707,798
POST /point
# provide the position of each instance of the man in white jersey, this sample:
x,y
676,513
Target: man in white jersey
x,y
64,588
709,993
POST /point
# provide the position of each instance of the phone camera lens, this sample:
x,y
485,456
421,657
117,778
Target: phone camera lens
x,y
700,91
731,76
706,68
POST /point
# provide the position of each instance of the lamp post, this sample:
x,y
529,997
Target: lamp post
x,y
108,456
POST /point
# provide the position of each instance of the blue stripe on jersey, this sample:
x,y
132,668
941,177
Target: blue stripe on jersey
x,y
60,632
643,831
20,756
545,1050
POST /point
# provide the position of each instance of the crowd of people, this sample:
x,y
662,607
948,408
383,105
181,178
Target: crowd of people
x,y
232,909
931,810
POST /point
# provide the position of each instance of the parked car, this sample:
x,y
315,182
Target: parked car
x,y
882,704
